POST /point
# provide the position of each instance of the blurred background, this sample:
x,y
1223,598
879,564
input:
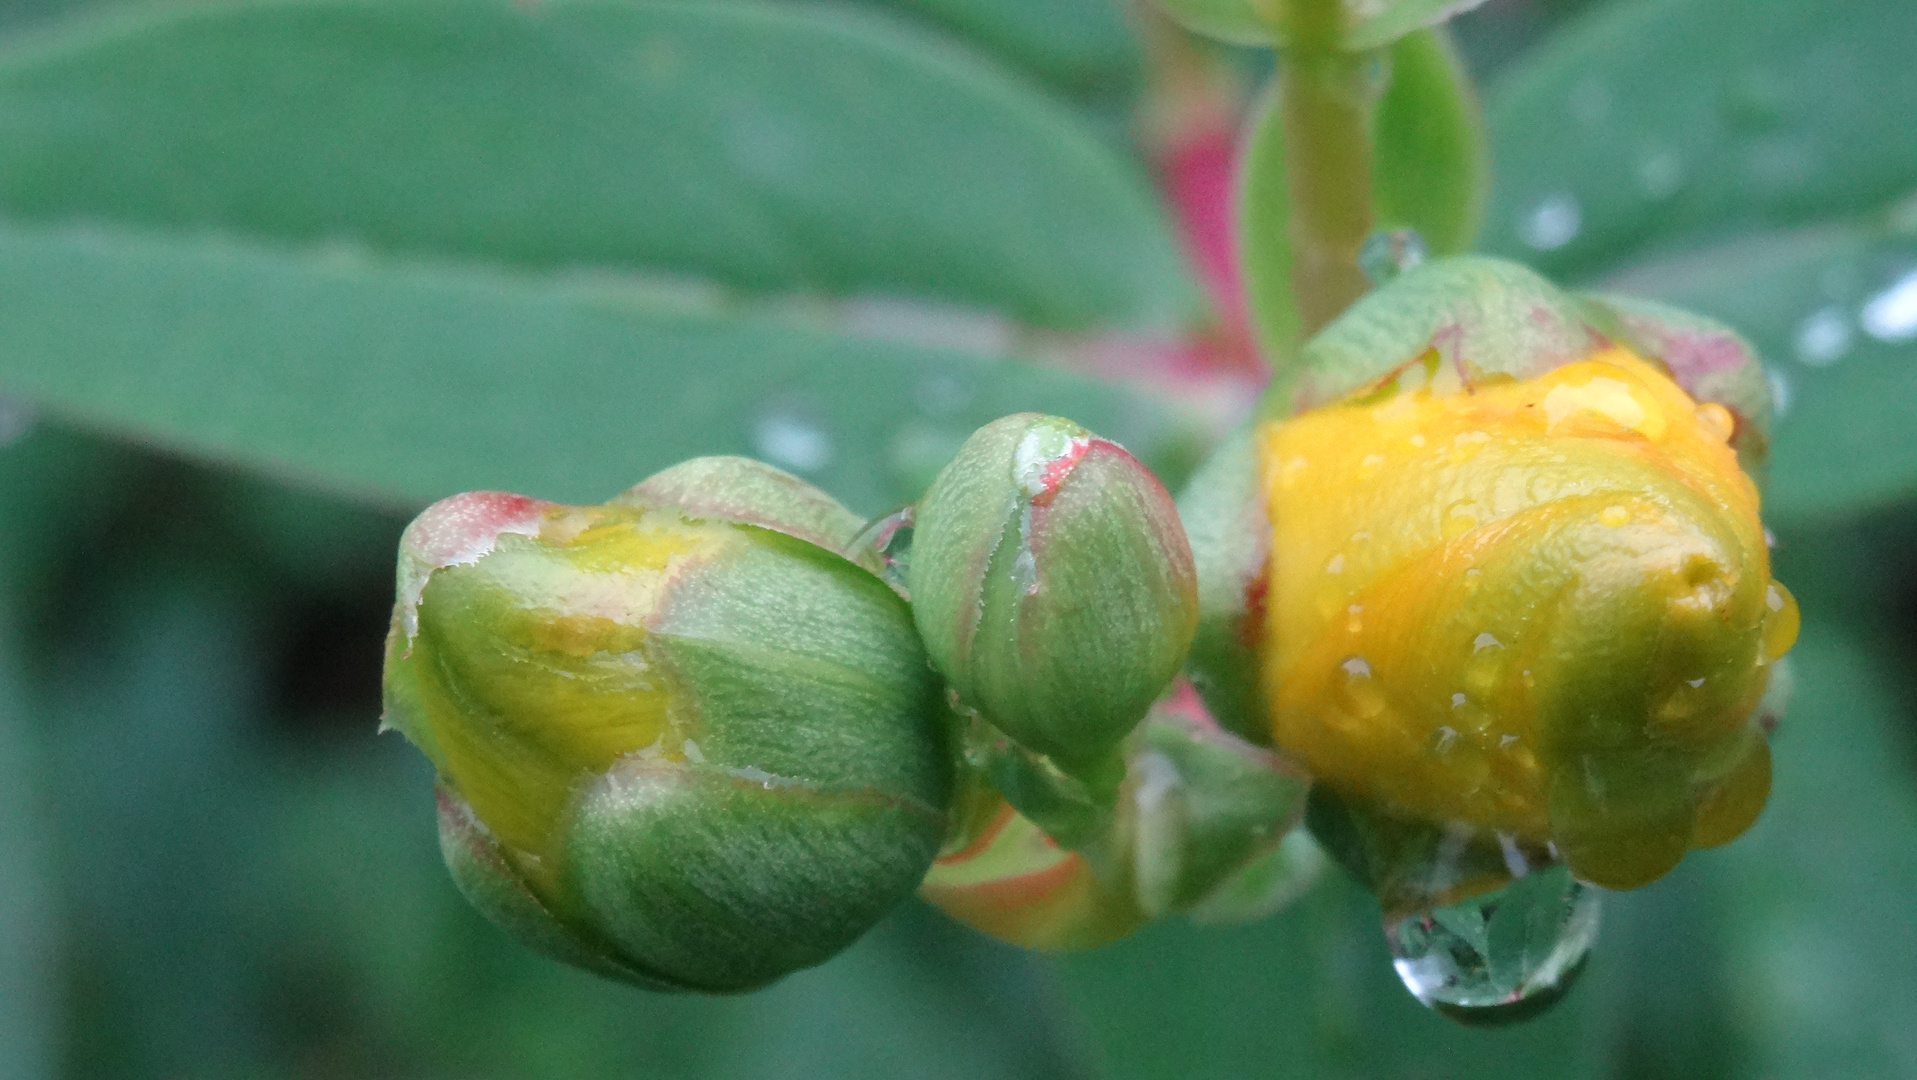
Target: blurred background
x,y
212,866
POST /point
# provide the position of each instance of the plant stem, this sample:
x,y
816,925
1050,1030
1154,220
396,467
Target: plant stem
x,y
1327,101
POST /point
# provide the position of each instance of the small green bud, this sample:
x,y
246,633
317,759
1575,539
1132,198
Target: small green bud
x,y
679,742
1353,25
1053,585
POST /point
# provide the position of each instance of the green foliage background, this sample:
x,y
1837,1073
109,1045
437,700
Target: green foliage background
x,y
274,273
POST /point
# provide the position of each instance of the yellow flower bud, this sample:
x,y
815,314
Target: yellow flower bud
x,y
1537,606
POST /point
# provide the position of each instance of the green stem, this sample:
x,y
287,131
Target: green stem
x,y
1327,100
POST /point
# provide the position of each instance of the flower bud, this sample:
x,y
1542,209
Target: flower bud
x,y
677,743
1052,585
1514,591
1541,607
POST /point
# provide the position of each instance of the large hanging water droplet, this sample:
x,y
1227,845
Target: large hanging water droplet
x,y
1500,956
1387,254
890,538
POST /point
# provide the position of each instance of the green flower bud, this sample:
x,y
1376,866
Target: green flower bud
x,y
1053,586
679,742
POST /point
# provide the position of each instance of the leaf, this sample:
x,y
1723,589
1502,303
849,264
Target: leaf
x,y
1668,123
769,147
1818,956
1368,24
29,917
1429,174
409,383
1077,44
1833,309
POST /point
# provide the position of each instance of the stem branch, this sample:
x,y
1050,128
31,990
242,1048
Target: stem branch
x,y
1327,101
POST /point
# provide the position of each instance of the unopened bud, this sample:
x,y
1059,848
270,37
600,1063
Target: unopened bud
x,y
677,743
1053,586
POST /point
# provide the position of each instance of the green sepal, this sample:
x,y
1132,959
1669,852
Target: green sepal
x,y
726,880
484,878
743,491
1204,805
1223,507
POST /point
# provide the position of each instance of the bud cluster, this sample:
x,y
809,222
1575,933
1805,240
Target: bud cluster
x,y
1487,570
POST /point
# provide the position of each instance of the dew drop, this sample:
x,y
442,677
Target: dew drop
x,y
890,538
1552,223
1823,337
1891,315
1355,619
784,438
1385,255
1780,628
1485,641
1614,516
1458,699
1362,698
1501,956
1336,565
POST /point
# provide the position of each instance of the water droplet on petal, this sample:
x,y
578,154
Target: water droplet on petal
x,y
789,440
1552,223
1614,516
1891,315
1500,956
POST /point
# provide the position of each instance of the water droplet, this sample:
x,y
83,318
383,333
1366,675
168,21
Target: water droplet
x,y
1458,699
1444,739
1552,223
1417,438
1823,337
1336,565
890,538
1783,623
1385,255
1362,698
1614,516
1717,420
1355,619
1501,956
1891,315
787,439
1370,466
1485,641
1780,393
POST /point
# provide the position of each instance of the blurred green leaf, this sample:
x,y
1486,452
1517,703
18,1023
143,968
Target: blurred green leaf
x,y
1429,170
764,146
1834,311
1819,952
1662,123
1078,44
1368,24
29,914
409,383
